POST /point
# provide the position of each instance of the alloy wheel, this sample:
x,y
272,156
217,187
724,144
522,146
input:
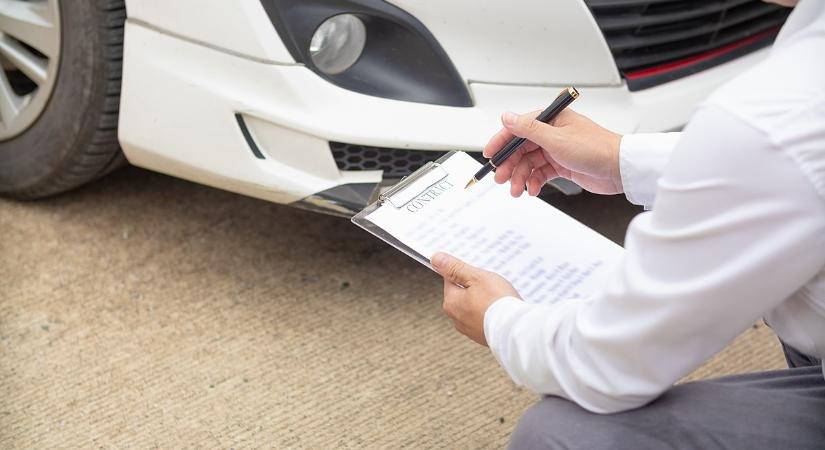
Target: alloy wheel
x,y
30,55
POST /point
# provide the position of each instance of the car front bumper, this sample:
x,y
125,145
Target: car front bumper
x,y
180,100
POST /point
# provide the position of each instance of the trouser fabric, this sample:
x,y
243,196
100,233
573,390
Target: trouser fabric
x,y
780,409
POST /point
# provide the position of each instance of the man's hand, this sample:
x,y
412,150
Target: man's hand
x,y
468,292
572,147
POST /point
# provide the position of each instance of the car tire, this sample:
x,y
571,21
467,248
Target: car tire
x,y
74,138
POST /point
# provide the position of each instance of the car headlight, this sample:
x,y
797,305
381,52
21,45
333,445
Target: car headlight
x,y
338,43
369,46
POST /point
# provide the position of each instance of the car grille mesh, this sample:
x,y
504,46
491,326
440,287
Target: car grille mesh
x,y
395,162
644,34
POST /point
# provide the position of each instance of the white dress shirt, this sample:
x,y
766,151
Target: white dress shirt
x,y
736,233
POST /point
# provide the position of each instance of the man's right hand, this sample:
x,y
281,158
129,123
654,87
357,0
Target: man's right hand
x,y
572,147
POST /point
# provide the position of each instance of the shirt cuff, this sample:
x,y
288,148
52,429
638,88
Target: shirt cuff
x,y
642,159
520,336
500,311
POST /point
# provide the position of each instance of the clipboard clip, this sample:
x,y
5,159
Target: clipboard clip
x,y
414,184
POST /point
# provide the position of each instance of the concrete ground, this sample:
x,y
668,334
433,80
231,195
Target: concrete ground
x,y
145,311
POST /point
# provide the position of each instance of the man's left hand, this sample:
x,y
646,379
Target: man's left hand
x,y
468,292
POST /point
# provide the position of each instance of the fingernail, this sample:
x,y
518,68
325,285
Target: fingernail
x,y
438,259
509,118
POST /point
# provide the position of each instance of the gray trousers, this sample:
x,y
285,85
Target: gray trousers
x,y
782,409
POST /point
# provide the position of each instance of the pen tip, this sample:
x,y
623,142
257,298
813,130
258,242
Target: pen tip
x,y
470,183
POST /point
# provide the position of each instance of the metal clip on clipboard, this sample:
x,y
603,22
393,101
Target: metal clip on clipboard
x,y
414,184
399,195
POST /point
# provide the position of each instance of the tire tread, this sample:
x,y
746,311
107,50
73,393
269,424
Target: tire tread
x,y
101,154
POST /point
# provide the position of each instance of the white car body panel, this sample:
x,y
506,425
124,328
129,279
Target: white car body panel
x,y
183,84
491,41
236,26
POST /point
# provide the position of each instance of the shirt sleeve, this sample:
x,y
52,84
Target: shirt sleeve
x,y
736,230
642,159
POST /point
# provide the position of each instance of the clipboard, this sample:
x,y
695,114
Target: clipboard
x,y
483,228
399,195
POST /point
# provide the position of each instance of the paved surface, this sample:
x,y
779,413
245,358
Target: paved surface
x,y
145,311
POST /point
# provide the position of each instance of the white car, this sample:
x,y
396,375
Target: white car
x,y
320,103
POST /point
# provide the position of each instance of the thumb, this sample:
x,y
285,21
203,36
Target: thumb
x,y
524,125
454,269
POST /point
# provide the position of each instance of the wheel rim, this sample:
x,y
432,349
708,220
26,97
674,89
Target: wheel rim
x,y
29,54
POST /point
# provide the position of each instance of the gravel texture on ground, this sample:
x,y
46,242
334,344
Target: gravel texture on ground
x,y
145,311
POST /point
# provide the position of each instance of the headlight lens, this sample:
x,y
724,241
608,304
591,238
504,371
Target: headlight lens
x,y
337,43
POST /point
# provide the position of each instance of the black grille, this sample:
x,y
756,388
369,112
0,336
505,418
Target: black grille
x,y
395,162
681,37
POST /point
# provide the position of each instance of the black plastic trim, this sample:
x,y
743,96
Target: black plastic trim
x,y
637,84
248,137
401,60
393,162
344,200
651,37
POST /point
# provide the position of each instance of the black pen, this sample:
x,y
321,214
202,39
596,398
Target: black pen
x,y
565,98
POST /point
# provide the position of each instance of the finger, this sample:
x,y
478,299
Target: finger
x,y
454,269
538,158
549,172
496,142
452,294
560,170
452,291
535,182
528,149
542,171
505,170
528,146
520,174
494,145
546,136
501,138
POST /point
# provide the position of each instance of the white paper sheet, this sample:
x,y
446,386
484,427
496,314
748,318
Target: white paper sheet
x,y
545,254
